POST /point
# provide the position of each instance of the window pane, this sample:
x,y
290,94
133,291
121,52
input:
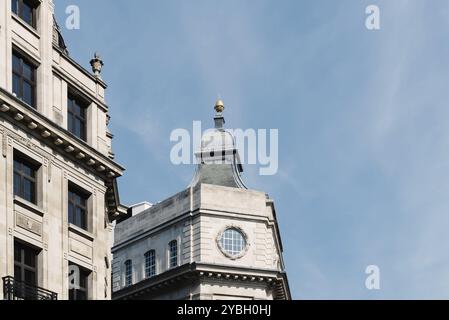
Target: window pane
x,y
17,254
70,122
16,63
71,212
76,116
17,185
150,264
27,13
128,273
15,6
28,190
83,280
173,254
82,113
28,171
82,131
76,108
30,277
28,71
27,93
78,218
82,219
17,165
77,208
16,85
30,258
17,273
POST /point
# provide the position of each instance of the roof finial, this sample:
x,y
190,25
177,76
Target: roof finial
x,y
219,119
219,107
97,65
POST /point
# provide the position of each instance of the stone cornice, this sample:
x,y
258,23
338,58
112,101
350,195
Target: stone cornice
x,y
199,271
57,138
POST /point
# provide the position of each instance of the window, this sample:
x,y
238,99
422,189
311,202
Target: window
x,y
25,173
232,242
79,283
24,80
76,116
78,207
128,273
26,10
150,264
25,264
173,254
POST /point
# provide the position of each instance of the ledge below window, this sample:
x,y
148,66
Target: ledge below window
x,y
28,206
83,233
25,25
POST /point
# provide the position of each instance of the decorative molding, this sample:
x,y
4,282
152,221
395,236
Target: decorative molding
x,y
11,136
29,224
80,248
61,141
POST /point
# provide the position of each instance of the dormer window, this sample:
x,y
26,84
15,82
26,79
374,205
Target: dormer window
x,y
26,10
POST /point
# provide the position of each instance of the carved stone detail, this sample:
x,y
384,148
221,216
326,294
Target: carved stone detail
x,y
28,224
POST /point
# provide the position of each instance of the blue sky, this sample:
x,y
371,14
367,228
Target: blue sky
x,y
363,122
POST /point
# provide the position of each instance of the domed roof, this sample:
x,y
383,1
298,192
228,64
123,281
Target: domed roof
x,y
218,160
217,140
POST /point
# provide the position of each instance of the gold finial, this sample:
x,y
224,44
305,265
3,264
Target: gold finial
x,y
219,106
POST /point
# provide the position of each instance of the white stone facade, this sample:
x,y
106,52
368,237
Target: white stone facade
x,y
41,134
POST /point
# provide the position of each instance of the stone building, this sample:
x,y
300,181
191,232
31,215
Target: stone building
x,y
58,190
215,240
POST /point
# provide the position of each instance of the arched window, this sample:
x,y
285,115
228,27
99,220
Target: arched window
x,y
128,273
173,254
150,264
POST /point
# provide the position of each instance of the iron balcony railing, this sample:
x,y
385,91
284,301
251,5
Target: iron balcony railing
x,y
17,290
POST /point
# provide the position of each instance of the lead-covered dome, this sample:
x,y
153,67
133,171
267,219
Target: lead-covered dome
x,y
217,140
218,158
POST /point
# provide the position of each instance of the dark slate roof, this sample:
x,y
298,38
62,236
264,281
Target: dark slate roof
x,y
217,174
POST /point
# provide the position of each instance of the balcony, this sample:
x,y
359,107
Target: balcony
x,y
16,290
